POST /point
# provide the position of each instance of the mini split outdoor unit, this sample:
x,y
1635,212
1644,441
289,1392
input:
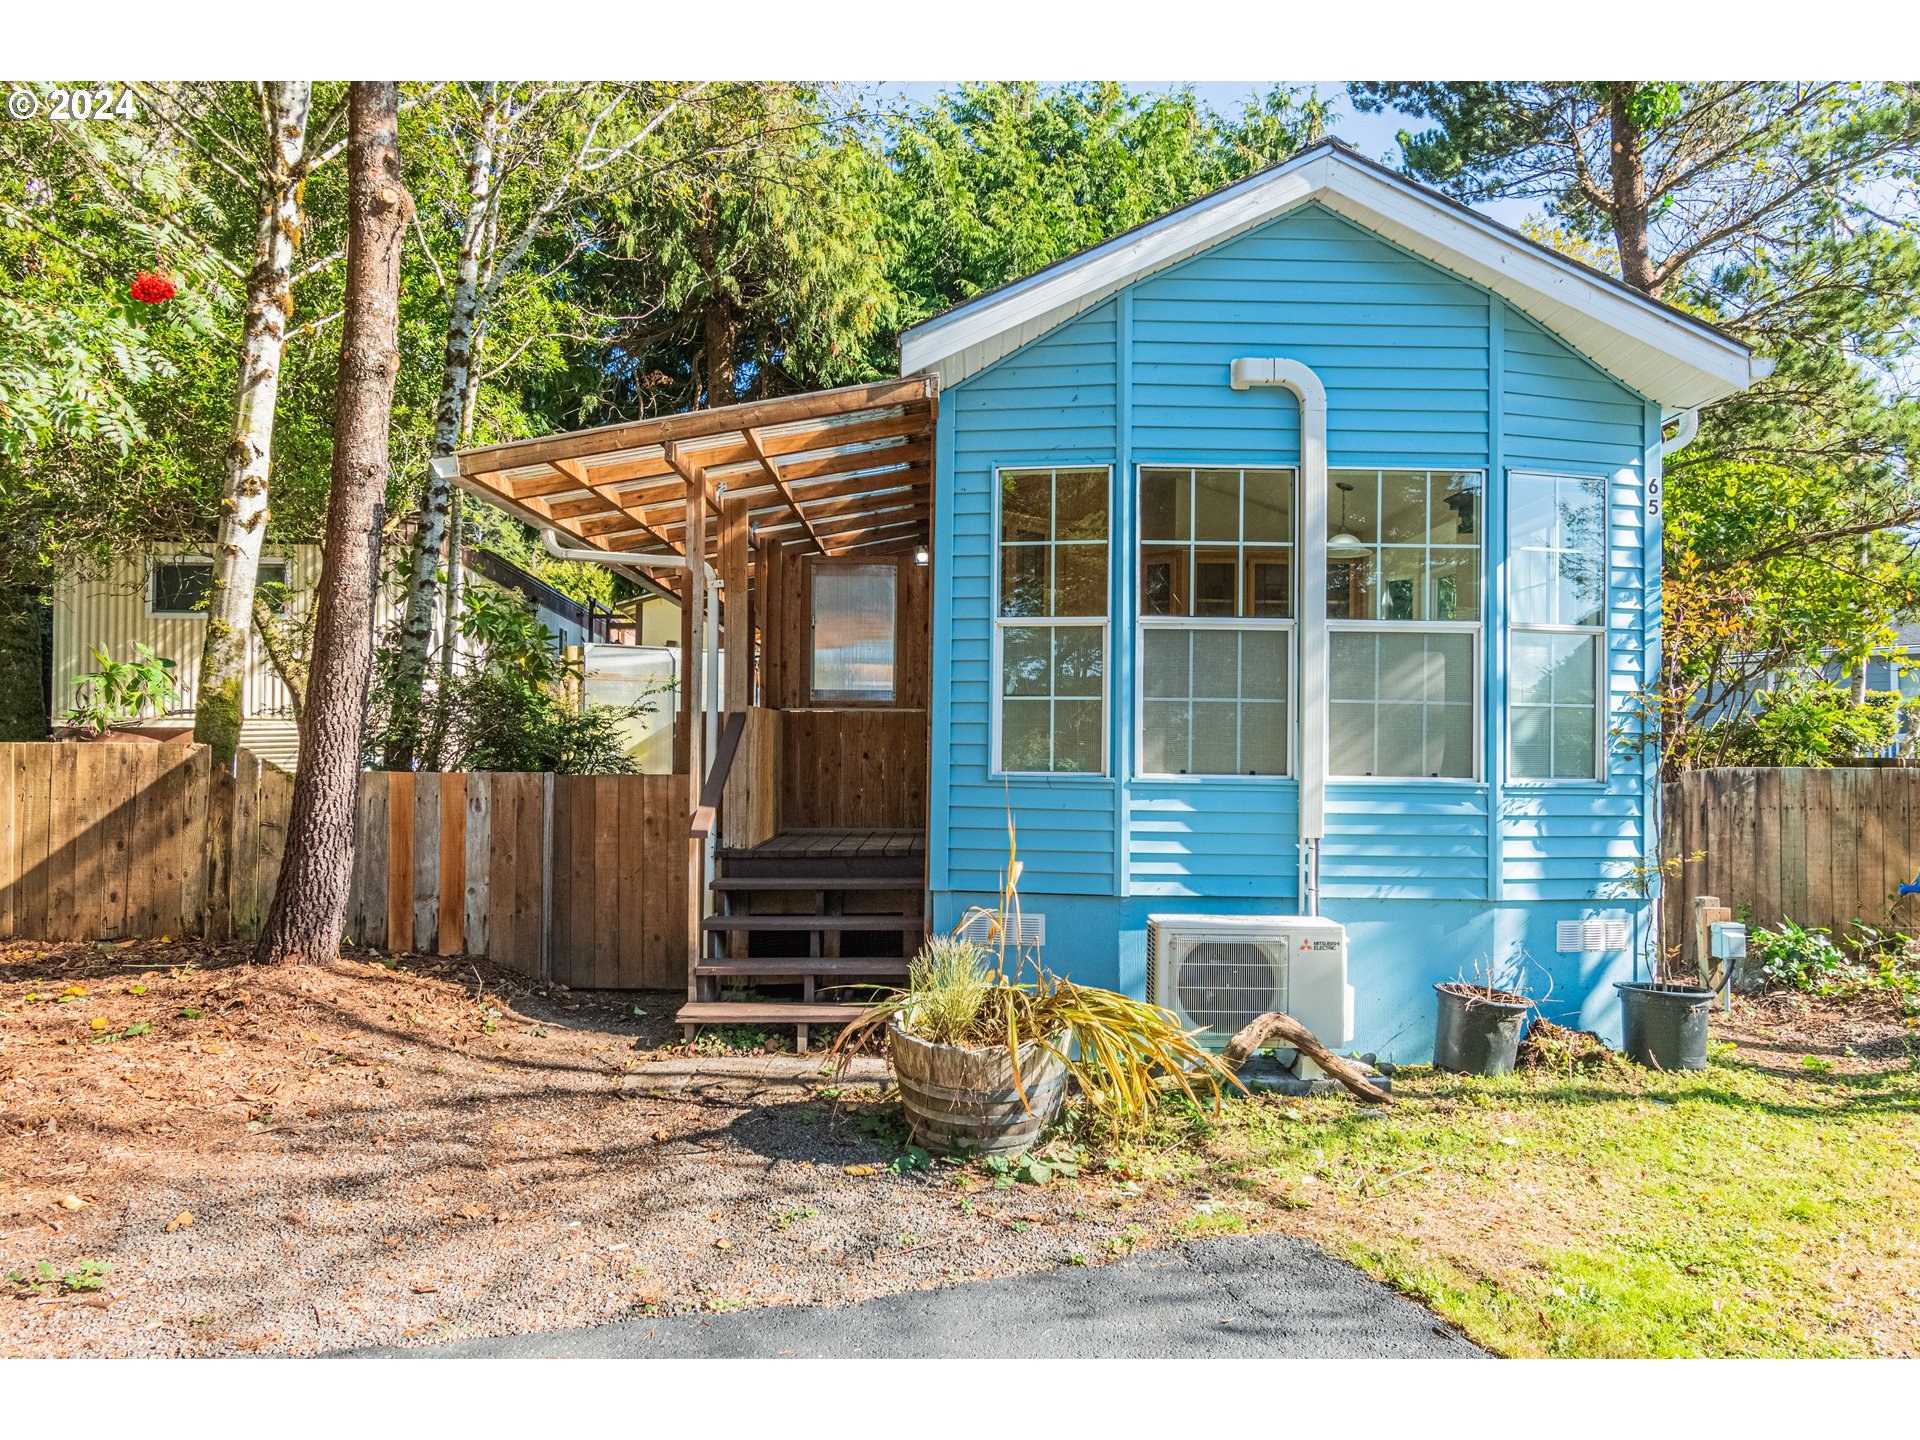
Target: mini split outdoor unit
x,y
1217,972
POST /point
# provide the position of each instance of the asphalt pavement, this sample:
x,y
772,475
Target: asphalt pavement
x,y
1262,1296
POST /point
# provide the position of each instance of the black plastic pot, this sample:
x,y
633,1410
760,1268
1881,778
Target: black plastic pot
x,y
1475,1035
1665,1025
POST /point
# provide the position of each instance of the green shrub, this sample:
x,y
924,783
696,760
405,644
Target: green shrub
x,y
1793,957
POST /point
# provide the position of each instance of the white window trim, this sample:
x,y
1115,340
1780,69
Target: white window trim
x,y
1145,622
1602,700
155,563
995,677
1475,629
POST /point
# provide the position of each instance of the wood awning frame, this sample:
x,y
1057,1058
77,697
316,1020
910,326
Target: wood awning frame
x,y
830,472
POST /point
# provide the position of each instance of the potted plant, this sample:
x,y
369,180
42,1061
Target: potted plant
x,y
984,1058
1664,1017
1480,1023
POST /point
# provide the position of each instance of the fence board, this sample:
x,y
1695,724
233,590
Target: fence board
x,y
66,821
424,885
104,840
479,854
604,868
631,881
400,860
449,929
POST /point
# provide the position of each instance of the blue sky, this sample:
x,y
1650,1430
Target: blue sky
x,y
1374,135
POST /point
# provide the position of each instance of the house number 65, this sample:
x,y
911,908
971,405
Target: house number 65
x,y
1653,497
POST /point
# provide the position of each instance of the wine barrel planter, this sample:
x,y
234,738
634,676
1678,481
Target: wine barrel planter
x,y
966,1100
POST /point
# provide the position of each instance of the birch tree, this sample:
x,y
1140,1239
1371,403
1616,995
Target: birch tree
x,y
256,149
529,155
310,903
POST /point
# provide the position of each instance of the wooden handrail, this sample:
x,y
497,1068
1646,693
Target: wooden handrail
x,y
708,810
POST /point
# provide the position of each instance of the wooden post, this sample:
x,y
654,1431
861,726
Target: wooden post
x,y
1708,912
693,669
734,563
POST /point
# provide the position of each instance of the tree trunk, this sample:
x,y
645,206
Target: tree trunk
x,y
263,343
430,538
1629,175
310,904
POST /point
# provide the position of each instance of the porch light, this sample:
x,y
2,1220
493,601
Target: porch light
x,y
920,556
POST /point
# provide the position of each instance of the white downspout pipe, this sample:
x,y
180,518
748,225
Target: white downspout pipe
x,y
1290,375
1683,437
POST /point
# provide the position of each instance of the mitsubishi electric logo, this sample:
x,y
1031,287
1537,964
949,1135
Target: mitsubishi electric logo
x,y
1319,944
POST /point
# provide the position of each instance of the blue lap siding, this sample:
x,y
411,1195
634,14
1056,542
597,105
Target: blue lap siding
x,y
1422,369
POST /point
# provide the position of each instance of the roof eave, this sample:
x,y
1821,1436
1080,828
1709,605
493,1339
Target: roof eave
x,y
1679,361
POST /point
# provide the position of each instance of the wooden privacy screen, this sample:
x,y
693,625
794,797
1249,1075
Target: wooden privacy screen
x,y
101,842
1820,847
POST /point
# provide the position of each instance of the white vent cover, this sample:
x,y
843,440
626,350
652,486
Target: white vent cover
x,y
1578,937
1027,930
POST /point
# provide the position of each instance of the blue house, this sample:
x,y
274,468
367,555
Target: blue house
x,y
1294,554
1350,575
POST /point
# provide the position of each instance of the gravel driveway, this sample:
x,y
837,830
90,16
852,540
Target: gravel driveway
x,y
1243,1298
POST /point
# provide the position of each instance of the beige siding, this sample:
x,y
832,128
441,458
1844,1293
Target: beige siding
x,y
109,612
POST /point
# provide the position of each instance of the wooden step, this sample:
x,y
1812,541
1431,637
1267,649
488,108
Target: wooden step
x,y
802,965
765,923
726,1012
804,883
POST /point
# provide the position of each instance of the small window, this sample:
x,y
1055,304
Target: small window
x,y
1050,626
855,614
180,588
1558,544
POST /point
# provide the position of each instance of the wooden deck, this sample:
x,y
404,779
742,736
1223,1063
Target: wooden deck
x,y
838,844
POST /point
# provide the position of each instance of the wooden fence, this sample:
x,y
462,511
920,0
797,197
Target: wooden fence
x,y
581,879
1820,847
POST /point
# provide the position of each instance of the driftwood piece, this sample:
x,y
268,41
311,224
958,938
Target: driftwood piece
x,y
1276,1026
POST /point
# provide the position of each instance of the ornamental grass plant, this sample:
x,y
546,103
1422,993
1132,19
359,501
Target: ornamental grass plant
x,y
1127,1055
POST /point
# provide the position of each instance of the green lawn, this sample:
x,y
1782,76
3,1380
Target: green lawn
x,y
1760,1207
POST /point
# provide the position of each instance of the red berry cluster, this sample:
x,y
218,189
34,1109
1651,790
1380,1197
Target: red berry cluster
x,y
151,289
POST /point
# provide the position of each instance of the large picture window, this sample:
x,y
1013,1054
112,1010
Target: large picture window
x,y
1216,620
1558,548
1050,627
1403,584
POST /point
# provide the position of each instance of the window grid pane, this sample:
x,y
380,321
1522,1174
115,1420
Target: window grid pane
x,y
1402,703
1404,545
1215,701
1556,695
1216,542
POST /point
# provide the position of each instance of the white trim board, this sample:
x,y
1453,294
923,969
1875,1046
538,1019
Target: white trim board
x,y
1657,351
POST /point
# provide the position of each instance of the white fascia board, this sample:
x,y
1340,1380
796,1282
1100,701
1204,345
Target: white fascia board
x,y
1659,354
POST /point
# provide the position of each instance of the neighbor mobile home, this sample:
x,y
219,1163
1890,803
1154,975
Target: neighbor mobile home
x,y
1295,554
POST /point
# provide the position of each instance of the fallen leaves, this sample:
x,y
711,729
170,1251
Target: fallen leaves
x,y
860,1169
182,1221
72,1202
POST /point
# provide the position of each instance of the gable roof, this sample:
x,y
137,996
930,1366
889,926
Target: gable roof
x,y
1661,352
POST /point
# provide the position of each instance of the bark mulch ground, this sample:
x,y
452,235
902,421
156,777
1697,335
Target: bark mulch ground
x,y
203,1157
